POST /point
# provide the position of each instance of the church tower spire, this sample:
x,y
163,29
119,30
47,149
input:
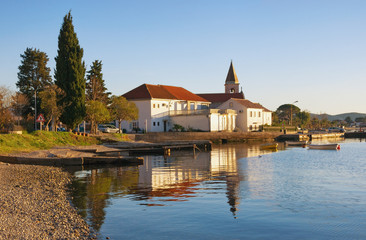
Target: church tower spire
x,y
232,82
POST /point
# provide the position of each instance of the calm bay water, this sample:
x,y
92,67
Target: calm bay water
x,y
233,192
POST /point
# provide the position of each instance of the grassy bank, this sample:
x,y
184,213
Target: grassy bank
x,y
40,140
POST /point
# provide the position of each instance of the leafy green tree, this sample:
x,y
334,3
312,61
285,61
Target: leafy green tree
x,y
348,120
49,103
95,86
275,120
69,74
325,123
123,110
285,111
33,75
315,123
97,112
304,118
361,119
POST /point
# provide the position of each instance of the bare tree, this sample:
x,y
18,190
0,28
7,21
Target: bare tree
x,y
6,117
19,105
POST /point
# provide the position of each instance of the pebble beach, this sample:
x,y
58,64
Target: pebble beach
x,y
34,204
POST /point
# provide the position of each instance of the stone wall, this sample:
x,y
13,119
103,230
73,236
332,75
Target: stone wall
x,y
213,136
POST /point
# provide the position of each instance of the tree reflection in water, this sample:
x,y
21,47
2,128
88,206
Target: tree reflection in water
x,y
92,190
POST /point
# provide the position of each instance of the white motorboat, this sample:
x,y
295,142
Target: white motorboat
x,y
331,146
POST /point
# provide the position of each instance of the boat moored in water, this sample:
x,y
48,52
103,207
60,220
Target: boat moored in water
x,y
270,146
296,143
331,146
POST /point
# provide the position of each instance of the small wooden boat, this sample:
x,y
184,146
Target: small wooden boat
x,y
296,143
331,146
270,146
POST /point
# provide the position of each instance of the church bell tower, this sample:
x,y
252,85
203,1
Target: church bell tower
x,y
231,83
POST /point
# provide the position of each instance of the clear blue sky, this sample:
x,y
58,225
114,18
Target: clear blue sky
x,y
313,52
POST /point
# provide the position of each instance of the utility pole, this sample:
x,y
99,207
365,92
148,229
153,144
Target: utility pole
x,y
291,112
35,110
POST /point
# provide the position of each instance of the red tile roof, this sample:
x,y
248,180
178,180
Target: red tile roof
x,y
149,91
220,97
250,104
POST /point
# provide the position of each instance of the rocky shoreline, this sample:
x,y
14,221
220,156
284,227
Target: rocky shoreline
x,y
34,204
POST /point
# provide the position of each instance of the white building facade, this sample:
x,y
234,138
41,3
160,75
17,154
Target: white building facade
x,y
250,116
162,108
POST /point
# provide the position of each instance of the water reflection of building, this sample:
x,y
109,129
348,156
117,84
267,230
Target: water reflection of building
x,y
176,178
225,165
172,177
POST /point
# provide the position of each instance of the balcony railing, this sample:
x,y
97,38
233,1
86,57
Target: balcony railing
x,y
181,112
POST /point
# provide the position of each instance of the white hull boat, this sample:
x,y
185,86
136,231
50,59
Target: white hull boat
x,y
332,146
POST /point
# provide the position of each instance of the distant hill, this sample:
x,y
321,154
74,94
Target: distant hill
x,y
352,115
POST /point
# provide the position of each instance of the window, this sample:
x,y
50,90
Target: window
x,y
232,90
259,114
251,114
153,123
158,123
231,104
192,106
154,105
158,105
163,104
135,124
250,127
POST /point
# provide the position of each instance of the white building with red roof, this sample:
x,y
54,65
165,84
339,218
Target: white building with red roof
x,y
162,107
250,116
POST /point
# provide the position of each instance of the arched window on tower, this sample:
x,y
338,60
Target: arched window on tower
x,y
232,90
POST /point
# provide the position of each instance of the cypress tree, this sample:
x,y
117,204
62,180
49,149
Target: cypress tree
x,y
95,86
69,74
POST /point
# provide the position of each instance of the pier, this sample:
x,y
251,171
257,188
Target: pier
x,y
121,153
308,136
140,149
355,135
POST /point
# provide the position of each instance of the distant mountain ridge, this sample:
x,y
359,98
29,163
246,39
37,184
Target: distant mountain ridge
x,y
342,116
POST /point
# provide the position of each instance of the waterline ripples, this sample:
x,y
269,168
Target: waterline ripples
x,y
234,192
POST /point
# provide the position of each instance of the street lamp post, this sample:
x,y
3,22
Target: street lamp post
x,y
35,110
291,112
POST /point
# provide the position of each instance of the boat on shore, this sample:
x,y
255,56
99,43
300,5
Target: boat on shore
x,y
331,146
269,146
296,143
